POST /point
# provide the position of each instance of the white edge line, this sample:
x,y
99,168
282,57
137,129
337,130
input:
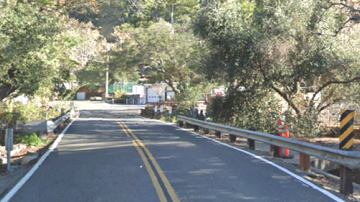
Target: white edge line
x,y
23,180
323,191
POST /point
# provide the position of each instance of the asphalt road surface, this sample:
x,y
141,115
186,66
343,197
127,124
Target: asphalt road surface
x,y
111,154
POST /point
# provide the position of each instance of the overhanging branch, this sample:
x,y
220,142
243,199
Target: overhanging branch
x,y
334,82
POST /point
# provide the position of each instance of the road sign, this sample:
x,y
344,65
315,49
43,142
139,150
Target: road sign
x,y
346,129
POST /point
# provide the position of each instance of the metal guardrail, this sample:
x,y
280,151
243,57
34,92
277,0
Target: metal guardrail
x,y
52,125
350,159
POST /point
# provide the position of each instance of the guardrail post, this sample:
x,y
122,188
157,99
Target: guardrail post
x,y
188,125
218,134
250,142
206,131
346,143
196,128
346,177
274,150
232,138
305,162
181,124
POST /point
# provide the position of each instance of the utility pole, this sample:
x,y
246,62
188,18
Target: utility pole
x,y
172,18
107,74
172,13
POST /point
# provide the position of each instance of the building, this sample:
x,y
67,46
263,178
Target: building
x,y
159,93
86,92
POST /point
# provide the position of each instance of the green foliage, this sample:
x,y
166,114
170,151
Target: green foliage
x,y
105,14
16,113
120,96
174,119
286,49
167,53
91,76
40,47
10,114
164,118
32,140
246,109
33,112
27,33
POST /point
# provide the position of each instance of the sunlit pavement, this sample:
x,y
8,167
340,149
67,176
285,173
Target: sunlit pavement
x,y
112,154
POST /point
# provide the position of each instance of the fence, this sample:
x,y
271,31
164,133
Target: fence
x,y
331,116
127,87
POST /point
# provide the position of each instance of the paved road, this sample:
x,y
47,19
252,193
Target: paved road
x,y
109,154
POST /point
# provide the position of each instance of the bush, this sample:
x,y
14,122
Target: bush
x,y
32,140
10,115
33,112
253,108
120,96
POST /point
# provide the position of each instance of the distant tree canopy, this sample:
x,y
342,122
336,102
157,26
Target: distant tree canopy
x,y
106,14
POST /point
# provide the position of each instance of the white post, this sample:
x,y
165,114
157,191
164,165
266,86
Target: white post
x,y
107,81
170,112
155,110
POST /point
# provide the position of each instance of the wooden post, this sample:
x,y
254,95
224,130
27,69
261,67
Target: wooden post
x,y
196,128
305,162
274,151
250,142
232,138
218,134
346,186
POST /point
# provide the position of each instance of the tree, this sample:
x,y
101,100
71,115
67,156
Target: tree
x,y
166,56
168,53
28,36
105,14
287,47
40,47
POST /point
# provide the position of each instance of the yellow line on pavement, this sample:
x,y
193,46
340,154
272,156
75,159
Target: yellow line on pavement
x,y
153,177
126,133
166,182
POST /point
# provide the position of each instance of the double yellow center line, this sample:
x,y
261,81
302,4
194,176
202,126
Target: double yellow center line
x,y
140,147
